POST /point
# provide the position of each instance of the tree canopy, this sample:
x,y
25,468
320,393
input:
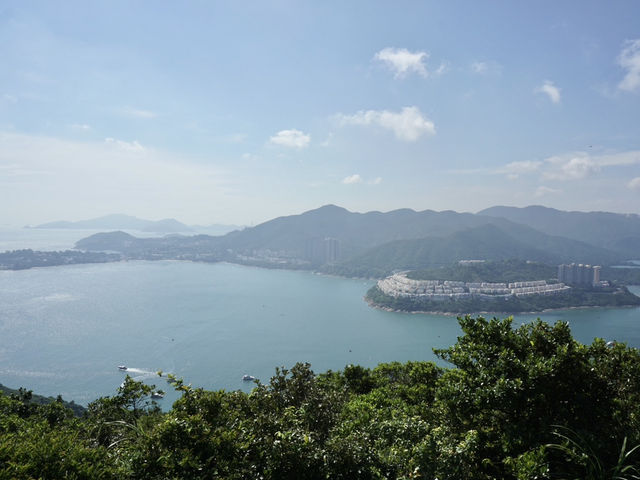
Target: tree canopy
x,y
513,403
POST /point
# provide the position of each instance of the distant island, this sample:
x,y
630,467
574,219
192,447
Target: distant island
x,y
508,287
128,222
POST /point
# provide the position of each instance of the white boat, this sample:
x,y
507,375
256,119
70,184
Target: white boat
x,y
157,395
248,378
122,367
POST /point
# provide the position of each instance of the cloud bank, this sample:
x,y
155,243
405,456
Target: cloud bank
x,y
408,125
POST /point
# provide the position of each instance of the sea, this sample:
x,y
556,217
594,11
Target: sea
x,y
65,330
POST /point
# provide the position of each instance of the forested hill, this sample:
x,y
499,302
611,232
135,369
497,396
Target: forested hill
x,y
511,270
356,231
487,242
614,231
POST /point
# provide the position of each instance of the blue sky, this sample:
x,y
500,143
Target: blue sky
x,y
238,112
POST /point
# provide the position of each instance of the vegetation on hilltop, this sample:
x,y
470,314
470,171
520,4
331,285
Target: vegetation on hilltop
x,y
512,270
486,242
27,396
525,403
627,276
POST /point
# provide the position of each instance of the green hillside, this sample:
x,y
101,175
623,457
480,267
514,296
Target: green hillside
x,y
620,232
512,270
486,242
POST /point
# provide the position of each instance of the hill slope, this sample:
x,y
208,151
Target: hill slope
x,y
358,232
486,242
614,231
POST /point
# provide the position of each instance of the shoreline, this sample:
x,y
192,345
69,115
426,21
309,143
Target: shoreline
x,y
374,305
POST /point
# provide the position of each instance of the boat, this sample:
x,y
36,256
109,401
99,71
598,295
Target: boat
x,y
157,395
122,367
248,378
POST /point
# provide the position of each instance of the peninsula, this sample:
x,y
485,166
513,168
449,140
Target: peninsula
x,y
423,291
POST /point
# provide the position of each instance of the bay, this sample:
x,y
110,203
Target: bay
x,y
64,330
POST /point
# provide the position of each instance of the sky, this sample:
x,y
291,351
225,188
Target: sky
x,y
241,111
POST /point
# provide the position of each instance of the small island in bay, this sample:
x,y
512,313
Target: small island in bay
x,y
512,286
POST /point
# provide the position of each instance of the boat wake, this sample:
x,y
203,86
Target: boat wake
x,y
139,373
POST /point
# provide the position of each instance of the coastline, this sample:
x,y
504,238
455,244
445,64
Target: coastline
x,y
376,306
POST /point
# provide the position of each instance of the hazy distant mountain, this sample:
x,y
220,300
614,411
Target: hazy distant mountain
x,y
168,225
127,222
122,222
216,229
111,222
614,231
171,246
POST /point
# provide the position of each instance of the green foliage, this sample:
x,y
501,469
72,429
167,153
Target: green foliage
x,y
30,397
523,403
511,270
626,276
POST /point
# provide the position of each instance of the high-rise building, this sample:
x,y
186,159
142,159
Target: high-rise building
x,y
579,274
321,250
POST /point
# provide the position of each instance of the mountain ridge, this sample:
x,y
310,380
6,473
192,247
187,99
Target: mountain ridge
x,y
368,242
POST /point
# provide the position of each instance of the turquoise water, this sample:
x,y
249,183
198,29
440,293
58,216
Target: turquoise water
x,y
64,330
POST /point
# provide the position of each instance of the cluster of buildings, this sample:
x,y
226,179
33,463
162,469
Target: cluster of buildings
x,y
321,250
399,285
579,274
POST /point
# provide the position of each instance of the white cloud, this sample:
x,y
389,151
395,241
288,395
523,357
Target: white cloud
x,y
138,113
125,146
634,184
81,126
629,59
351,179
409,124
550,90
570,167
355,178
479,67
514,169
402,62
541,191
442,69
291,139
485,68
